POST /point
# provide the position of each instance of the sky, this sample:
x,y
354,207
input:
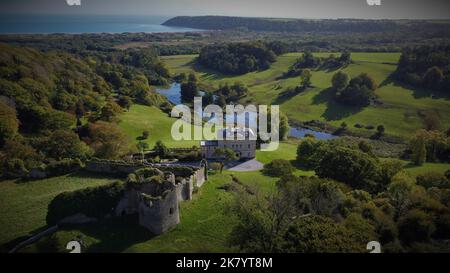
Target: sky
x,y
389,9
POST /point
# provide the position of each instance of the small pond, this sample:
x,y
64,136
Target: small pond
x,y
173,93
301,132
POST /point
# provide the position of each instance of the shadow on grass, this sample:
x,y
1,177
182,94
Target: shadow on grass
x,y
114,234
208,74
300,166
287,95
8,246
334,110
418,92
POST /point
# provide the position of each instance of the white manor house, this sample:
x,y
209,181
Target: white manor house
x,y
241,140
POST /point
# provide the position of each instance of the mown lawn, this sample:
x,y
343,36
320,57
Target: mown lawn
x,y
399,112
24,204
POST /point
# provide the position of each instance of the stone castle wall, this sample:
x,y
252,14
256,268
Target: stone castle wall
x,y
160,214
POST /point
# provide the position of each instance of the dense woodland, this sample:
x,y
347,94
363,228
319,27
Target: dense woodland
x,y
57,106
239,58
426,67
355,198
301,25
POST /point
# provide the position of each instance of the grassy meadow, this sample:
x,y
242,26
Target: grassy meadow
x,y
400,112
24,203
140,118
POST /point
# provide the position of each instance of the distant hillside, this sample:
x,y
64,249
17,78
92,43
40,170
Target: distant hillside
x,y
302,25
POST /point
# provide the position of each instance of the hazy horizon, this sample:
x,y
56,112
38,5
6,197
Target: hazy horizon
x,y
308,9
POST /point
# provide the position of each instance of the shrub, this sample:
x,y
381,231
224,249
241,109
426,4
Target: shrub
x,y
433,179
9,124
160,149
92,202
442,227
415,226
307,152
320,234
14,168
278,167
357,169
215,166
65,166
190,156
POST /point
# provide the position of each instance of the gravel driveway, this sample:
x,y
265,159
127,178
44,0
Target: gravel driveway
x,y
248,166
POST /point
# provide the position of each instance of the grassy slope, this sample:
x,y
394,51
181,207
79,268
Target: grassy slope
x,y
158,123
399,114
24,205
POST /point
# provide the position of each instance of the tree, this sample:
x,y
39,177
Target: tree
x,y
161,150
227,155
9,124
325,197
142,146
419,151
365,147
318,234
433,78
415,226
110,111
359,91
20,149
308,154
365,79
305,78
399,191
66,144
221,101
145,134
263,220
340,80
125,102
237,58
284,128
355,168
345,58
107,140
432,121
189,89
355,95
380,130
208,98
278,167
433,179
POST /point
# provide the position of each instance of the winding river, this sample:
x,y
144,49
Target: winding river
x,y
173,94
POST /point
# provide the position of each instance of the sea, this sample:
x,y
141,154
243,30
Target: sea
x,y
76,24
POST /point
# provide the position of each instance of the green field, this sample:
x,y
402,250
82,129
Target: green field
x,y
24,204
158,123
399,113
